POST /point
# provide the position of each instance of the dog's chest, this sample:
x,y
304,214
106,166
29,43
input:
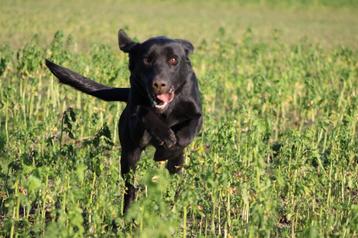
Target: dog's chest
x,y
182,112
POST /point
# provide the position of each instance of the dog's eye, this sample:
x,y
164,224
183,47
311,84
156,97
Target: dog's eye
x,y
173,61
147,60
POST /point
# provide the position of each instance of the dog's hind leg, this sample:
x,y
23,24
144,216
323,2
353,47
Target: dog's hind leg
x,y
175,165
162,153
175,157
129,159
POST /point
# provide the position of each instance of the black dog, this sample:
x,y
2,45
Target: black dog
x,y
163,108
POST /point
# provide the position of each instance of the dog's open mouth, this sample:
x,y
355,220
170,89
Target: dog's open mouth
x,y
163,99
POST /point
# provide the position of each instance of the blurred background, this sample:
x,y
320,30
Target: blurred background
x,y
328,22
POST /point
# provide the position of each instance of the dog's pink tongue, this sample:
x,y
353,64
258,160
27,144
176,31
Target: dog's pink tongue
x,y
165,97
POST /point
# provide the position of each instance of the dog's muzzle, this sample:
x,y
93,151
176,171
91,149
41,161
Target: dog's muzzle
x,y
161,101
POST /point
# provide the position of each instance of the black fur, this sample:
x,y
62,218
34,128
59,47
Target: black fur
x,y
163,104
86,85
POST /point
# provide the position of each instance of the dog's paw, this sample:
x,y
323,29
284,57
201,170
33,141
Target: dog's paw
x,y
171,140
166,138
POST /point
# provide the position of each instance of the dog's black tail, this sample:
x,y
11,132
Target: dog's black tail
x,y
83,84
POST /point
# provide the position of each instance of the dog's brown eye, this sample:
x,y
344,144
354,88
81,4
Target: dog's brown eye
x,y
173,61
147,60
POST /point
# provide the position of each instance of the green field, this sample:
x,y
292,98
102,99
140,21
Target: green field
x,y
278,152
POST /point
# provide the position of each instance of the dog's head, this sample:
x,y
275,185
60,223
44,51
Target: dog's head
x,y
159,66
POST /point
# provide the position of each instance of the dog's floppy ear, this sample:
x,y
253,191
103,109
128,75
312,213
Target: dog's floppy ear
x,y
188,46
125,43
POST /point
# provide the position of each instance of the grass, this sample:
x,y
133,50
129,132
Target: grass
x,y
277,156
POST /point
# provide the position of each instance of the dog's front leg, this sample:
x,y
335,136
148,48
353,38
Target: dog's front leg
x,y
186,134
156,127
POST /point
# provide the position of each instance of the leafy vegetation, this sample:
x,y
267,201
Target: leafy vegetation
x,y
277,156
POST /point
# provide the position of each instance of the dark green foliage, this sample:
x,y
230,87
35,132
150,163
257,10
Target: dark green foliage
x,y
5,58
29,58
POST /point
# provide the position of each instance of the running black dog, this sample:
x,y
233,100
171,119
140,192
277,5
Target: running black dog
x,y
163,103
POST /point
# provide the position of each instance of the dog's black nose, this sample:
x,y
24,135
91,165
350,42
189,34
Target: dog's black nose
x,y
160,86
